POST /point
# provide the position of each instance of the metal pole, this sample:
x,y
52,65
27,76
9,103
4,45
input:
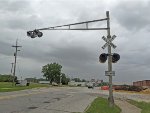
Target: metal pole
x,y
110,99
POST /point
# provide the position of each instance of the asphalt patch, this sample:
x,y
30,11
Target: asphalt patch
x,y
32,107
46,102
57,98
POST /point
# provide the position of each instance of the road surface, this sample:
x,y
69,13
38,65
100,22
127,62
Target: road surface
x,y
45,100
57,99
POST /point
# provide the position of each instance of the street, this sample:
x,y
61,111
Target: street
x,y
45,100
57,99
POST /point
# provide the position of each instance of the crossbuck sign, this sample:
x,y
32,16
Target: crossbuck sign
x,y
109,42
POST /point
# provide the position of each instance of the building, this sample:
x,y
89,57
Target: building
x,y
44,82
143,83
73,83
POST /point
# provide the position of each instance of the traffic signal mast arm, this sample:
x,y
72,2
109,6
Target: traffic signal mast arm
x,y
79,23
37,33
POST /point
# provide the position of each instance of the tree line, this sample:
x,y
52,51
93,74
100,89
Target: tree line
x,y
7,78
52,73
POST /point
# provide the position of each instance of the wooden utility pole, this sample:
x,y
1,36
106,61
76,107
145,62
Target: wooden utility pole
x,y
15,54
12,65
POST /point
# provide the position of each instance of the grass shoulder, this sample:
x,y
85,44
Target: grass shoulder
x,y
145,106
100,105
7,86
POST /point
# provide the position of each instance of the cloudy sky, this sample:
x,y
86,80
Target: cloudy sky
x,y
77,51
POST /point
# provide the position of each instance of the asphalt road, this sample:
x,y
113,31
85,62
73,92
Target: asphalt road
x,y
57,99
46,100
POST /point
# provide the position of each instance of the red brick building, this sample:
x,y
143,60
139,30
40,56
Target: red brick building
x,y
144,83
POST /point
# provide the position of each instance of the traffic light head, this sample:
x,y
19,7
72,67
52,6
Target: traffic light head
x,y
115,57
34,33
103,58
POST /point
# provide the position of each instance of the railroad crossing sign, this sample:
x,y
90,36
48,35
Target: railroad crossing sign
x,y
109,73
109,42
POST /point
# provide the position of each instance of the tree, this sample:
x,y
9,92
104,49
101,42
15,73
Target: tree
x,y
76,79
52,72
83,80
64,79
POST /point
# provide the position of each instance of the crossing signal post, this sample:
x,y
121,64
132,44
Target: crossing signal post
x,y
112,58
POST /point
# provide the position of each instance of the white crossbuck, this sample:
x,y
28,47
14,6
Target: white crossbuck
x,y
109,42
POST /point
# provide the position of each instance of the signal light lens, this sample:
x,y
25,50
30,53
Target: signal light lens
x,y
40,34
103,58
115,57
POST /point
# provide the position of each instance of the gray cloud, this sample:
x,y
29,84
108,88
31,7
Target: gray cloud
x,y
133,15
14,5
76,51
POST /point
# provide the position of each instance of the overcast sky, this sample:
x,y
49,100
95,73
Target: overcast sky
x,y
77,51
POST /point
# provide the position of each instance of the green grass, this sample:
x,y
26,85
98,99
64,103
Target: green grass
x,y
100,105
7,86
143,105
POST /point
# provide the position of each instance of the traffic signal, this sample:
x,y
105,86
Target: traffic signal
x,y
40,34
115,57
103,57
35,33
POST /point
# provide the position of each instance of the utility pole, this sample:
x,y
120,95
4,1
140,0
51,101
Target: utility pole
x,y
60,80
15,54
12,65
111,99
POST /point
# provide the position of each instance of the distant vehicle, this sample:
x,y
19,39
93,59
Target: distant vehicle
x,y
54,84
90,85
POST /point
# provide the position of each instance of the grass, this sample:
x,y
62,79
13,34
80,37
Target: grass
x,y
100,105
145,106
7,86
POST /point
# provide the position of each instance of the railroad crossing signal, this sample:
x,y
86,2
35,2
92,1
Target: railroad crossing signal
x,y
109,42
